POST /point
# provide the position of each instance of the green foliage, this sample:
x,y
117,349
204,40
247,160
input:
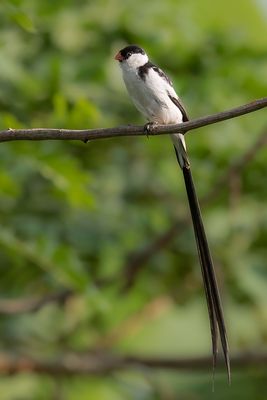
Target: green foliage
x,y
72,215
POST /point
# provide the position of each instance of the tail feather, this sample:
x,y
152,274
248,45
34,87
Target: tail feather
x,y
217,324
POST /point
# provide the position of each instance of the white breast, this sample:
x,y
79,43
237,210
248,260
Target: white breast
x,y
151,96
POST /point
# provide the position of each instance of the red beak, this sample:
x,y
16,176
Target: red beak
x,y
119,57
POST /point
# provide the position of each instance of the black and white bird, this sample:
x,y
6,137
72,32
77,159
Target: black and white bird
x,y
154,96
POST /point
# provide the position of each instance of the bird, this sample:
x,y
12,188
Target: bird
x,y
153,94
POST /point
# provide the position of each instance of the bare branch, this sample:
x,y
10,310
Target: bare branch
x,y
103,363
101,133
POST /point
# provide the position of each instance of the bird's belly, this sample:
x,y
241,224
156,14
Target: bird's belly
x,y
162,113
156,109
151,108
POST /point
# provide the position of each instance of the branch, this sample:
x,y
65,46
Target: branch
x,y
137,260
101,133
24,305
103,363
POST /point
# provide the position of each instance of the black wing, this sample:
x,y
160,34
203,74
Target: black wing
x,y
178,104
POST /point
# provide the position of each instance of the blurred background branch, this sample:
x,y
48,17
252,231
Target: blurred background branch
x,y
103,363
25,305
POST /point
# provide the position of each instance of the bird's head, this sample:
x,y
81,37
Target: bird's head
x,y
131,57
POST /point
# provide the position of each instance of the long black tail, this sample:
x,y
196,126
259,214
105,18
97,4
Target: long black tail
x,y
208,272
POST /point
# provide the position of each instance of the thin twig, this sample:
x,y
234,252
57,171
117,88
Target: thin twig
x,y
101,133
103,363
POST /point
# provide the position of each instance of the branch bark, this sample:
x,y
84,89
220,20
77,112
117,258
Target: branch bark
x,y
101,133
103,363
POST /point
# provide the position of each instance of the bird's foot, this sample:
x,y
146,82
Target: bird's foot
x,y
148,128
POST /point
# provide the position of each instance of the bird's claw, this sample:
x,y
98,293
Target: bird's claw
x,y
149,128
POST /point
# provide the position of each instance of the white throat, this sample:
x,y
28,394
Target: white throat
x,y
134,61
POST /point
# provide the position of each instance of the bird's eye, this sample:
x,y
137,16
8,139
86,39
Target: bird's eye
x,y
129,54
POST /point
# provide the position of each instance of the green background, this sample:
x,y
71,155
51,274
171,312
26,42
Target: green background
x,y
72,216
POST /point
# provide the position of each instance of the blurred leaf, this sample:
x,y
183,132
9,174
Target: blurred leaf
x,y
23,21
59,260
